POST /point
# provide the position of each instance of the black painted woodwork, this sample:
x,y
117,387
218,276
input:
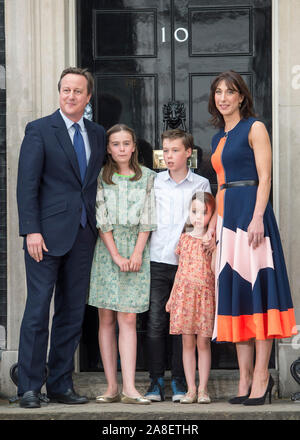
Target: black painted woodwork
x,y
144,53
3,190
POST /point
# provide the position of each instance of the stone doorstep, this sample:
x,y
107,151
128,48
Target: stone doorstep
x,y
222,383
280,409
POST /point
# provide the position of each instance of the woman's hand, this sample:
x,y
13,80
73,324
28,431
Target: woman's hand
x,y
209,241
122,262
260,142
256,231
135,261
213,262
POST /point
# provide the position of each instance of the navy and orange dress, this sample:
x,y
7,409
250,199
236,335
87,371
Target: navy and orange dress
x,y
253,298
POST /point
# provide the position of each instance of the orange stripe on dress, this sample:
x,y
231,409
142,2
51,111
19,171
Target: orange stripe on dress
x,y
216,160
261,326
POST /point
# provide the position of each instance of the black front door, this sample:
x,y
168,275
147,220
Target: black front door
x,y
145,53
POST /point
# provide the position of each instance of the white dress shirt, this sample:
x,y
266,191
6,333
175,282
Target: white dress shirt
x,y
71,131
172,206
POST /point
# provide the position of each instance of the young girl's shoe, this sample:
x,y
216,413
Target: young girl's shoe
x,y
108,399
135,400
203,397
189,398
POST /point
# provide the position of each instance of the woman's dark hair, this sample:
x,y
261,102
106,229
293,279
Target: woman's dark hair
x,y
204,197
111,166
234,81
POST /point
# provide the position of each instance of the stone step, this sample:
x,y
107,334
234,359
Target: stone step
x,y
164,411
222,383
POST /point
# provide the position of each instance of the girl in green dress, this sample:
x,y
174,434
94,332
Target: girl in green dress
x,y
120,276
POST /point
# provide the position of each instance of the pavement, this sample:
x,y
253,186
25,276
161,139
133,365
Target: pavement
x,y
280,409
159,420
222,385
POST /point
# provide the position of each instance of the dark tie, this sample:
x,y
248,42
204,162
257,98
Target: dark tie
x,y
78,143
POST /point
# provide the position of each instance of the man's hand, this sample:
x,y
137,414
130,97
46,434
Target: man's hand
x,y
36,246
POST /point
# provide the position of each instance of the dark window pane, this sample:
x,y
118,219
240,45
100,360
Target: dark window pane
x,y
124,34
129,100
219,32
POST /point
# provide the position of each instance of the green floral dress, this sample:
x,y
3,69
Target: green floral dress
x,y
126,209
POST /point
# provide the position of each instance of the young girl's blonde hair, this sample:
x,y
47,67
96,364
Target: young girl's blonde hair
x,y
111,166
204,197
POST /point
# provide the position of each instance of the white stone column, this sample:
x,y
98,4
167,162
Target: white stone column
x,y
40,43
287,154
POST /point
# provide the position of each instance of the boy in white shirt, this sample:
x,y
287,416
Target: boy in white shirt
x,y
174,189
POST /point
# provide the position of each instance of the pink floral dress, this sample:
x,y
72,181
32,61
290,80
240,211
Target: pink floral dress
x,y
192,300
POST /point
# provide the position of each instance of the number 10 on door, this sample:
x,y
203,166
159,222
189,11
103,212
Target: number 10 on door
x,y
180,34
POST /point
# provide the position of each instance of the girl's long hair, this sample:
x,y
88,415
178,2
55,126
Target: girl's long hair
x,y
204,197
111,166
233,81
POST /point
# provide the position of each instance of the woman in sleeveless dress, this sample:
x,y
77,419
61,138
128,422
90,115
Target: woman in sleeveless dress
x,y
253,299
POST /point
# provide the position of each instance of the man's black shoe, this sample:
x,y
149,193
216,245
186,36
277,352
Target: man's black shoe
x,y
30,399
69,398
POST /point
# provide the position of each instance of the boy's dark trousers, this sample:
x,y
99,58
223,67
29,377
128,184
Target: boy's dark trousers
x,y
162,279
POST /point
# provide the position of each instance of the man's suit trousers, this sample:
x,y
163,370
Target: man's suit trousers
x,y
69,276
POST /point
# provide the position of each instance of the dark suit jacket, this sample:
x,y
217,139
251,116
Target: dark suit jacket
x,y
49,189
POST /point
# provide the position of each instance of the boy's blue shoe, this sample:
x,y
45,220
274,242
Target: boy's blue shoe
x,y
156,390
178,385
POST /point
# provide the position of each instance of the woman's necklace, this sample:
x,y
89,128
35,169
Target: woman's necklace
x,y
232,125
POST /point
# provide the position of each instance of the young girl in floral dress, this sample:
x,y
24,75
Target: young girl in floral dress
x,y
192,300
120,275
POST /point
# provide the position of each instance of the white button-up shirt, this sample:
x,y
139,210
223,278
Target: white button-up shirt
x,y
172,207
71,131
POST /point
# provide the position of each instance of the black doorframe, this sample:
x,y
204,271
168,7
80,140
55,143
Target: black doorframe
x,y
3,183
259,11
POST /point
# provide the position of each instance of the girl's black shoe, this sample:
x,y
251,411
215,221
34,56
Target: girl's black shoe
x,y
261,400
239,399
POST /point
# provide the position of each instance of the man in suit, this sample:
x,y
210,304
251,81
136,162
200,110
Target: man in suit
x,y
56,192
